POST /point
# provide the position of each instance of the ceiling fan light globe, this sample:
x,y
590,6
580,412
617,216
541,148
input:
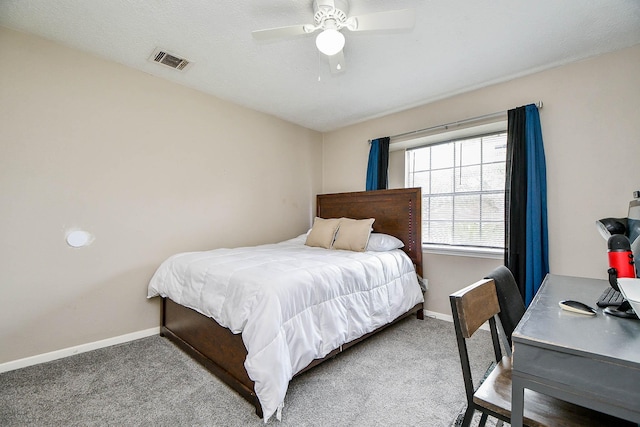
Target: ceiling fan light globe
x,y
330,41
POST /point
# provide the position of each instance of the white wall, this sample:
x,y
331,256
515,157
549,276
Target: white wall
x,y
591,130
149,167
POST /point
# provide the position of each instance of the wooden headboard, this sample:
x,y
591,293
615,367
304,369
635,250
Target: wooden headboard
x,y
397,212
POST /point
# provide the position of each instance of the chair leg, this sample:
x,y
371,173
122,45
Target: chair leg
x,y
468,414
483,419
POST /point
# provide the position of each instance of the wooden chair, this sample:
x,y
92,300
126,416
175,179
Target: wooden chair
x,y
471,308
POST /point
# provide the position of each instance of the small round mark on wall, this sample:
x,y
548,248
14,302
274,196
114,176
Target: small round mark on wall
x,y
79,238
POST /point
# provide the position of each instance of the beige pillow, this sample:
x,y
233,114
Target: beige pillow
x,y
323,232
353,234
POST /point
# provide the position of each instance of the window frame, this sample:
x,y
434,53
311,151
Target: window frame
x,y
452,136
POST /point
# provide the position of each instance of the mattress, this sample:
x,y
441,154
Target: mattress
x,y
291,303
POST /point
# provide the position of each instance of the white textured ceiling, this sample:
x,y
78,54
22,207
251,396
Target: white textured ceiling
x,y
456,45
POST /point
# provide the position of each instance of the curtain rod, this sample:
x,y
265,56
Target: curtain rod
x,y
458,123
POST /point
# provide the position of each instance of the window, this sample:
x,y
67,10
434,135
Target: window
x,y
462,190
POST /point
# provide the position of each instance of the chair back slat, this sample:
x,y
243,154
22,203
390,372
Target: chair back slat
x,y
475,304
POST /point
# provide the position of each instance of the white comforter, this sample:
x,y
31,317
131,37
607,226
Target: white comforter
x,y
292,303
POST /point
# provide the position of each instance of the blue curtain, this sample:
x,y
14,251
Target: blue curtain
x,y
527,243
537,233
377,168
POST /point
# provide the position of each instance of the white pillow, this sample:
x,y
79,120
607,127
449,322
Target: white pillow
x,y
379,242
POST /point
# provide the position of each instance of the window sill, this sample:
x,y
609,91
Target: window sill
x,y
464,251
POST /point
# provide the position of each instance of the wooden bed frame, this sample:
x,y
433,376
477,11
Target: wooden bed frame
x,y
397,212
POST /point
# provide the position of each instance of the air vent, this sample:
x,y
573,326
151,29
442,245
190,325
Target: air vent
x,y
170,60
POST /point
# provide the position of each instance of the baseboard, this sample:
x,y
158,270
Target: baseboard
x,y
439,316
70,351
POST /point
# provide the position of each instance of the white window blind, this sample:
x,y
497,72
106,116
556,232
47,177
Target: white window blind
x,y
462,190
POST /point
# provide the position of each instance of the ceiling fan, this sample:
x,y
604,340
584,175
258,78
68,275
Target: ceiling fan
x,y
331,16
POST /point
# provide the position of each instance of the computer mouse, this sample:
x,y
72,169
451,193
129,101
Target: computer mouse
x,y
577,307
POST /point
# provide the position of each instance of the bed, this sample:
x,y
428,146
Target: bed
x,y
224,353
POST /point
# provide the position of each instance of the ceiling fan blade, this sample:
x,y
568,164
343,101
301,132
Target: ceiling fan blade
x,y
336,63
283,32
390,20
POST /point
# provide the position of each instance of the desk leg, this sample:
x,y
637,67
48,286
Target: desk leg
x,y
517,401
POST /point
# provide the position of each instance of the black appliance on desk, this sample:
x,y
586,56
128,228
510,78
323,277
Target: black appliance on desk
x,y
623,241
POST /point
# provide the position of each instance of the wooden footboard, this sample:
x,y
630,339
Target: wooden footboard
x,y
223,353
220,351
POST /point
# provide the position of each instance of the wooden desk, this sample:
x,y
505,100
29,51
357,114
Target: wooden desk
x,y
593,361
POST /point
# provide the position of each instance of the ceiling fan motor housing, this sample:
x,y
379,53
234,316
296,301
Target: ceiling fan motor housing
x,y
326,11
